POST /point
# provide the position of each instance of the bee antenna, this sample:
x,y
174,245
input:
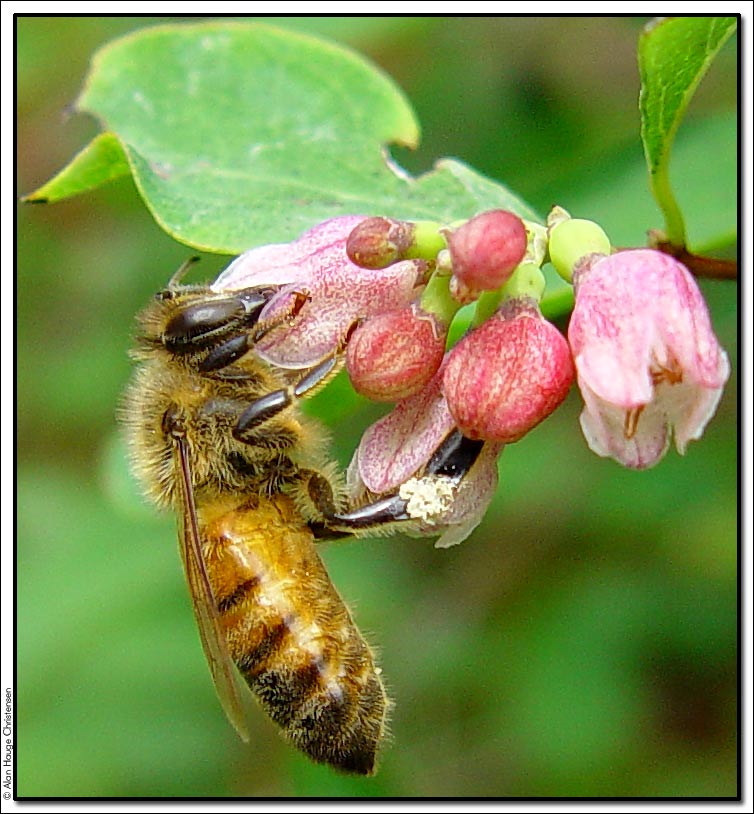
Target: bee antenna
x,y
182,269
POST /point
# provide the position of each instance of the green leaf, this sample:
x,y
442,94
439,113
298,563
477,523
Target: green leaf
x,y
101,161
674,55
239,134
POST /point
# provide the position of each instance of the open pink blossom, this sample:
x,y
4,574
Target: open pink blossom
x,y
392,457
339,292
467,501
647,361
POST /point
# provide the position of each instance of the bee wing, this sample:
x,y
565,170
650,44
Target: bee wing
x,y
205,608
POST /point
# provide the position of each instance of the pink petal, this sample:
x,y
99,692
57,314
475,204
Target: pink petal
x,y
340,292
603,425
398,445
610,335
316,250
474,496
688,408
339,296
684,325
612,377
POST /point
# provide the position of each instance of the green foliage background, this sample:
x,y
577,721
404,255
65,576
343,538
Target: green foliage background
x,y
582,643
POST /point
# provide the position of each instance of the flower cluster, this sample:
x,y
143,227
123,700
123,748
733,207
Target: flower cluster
x,y
382,294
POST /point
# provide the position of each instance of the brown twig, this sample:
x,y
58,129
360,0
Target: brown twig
x,y
699,265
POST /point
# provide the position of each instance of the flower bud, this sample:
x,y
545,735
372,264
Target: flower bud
x,y
378,242
507,375
393,355
486,249
572,240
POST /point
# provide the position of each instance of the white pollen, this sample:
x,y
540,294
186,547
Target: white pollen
x,y
428,498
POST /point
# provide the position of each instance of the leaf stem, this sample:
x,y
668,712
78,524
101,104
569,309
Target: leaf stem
x,y
675,229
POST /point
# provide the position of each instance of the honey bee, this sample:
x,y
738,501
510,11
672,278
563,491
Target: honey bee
x,y
217,435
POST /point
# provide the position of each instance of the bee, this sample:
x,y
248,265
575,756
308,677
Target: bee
x,y
217,435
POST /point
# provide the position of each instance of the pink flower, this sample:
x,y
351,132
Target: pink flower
x,y
394,455
394,448
647,360
339,292
509,374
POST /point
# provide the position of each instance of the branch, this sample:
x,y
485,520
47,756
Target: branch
x,y
699,265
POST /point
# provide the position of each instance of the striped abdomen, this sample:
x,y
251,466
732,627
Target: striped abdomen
x,y
291,635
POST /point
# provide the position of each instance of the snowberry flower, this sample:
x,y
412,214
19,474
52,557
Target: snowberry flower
x,y
393,455
485,250
394,354
509,374
647,360
339,293
450,509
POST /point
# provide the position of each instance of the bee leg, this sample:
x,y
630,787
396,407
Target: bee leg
x,y
453,460
381,512
389,509
290,312
225,354
232,349
268,406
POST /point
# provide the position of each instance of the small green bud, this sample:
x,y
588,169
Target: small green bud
x,y
572,239
527,281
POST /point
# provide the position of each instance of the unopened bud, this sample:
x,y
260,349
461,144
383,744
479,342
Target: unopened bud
x,y
486,249
393,355
378,242
573,239
508,374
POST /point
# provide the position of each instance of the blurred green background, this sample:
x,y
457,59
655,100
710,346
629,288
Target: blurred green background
x,y
582,643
